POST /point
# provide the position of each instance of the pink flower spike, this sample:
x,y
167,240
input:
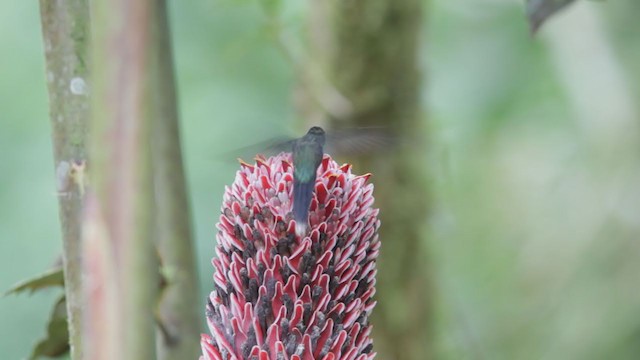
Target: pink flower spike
x,y
278,295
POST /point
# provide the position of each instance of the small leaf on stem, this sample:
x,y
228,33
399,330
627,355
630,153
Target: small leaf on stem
x,y
52,277
538,11
56,342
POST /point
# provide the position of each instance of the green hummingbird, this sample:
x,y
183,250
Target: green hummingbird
x,y
307,155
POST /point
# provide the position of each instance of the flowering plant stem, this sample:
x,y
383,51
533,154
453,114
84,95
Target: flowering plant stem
x,y
120,265
121,164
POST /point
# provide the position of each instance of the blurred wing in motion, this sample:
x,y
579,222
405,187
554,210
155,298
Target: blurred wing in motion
x,y
267,148
346,142
360,141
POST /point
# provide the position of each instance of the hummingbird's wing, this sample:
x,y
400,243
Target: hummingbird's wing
x,y
360,141
347,142
277,145
268,147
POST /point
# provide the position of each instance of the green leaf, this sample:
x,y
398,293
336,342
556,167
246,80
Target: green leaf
x,y
53,277
56,342
538,11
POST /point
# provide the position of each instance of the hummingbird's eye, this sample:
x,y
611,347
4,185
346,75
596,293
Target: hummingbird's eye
x,y
316,130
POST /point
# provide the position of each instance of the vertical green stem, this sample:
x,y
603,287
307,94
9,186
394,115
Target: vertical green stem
x,y
65,30
179,306
123,96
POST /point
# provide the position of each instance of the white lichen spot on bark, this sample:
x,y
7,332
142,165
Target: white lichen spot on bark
x,y
78,86
63,180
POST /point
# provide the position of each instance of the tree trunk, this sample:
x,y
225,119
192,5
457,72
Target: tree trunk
x,y
362,71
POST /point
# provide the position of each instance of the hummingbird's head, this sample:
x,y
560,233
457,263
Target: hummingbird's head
x,y
316,130
317,133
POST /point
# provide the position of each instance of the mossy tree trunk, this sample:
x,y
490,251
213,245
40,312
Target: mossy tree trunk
x,y
363,71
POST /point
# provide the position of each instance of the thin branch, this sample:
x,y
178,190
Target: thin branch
x,y
65,30
313,82
179,305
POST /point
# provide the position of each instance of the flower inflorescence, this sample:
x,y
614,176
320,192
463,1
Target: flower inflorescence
x,y
281,296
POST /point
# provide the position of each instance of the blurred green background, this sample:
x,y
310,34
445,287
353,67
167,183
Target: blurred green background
x,y
534,162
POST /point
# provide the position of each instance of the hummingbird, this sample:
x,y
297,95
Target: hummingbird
x,y
307,155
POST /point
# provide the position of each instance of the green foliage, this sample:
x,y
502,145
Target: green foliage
x,y
56,342
538,11
53,277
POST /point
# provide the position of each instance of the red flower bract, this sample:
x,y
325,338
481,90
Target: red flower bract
x,y
281,296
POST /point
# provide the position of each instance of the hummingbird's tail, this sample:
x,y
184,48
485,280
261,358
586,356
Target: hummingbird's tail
x,y
302,193
301,229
